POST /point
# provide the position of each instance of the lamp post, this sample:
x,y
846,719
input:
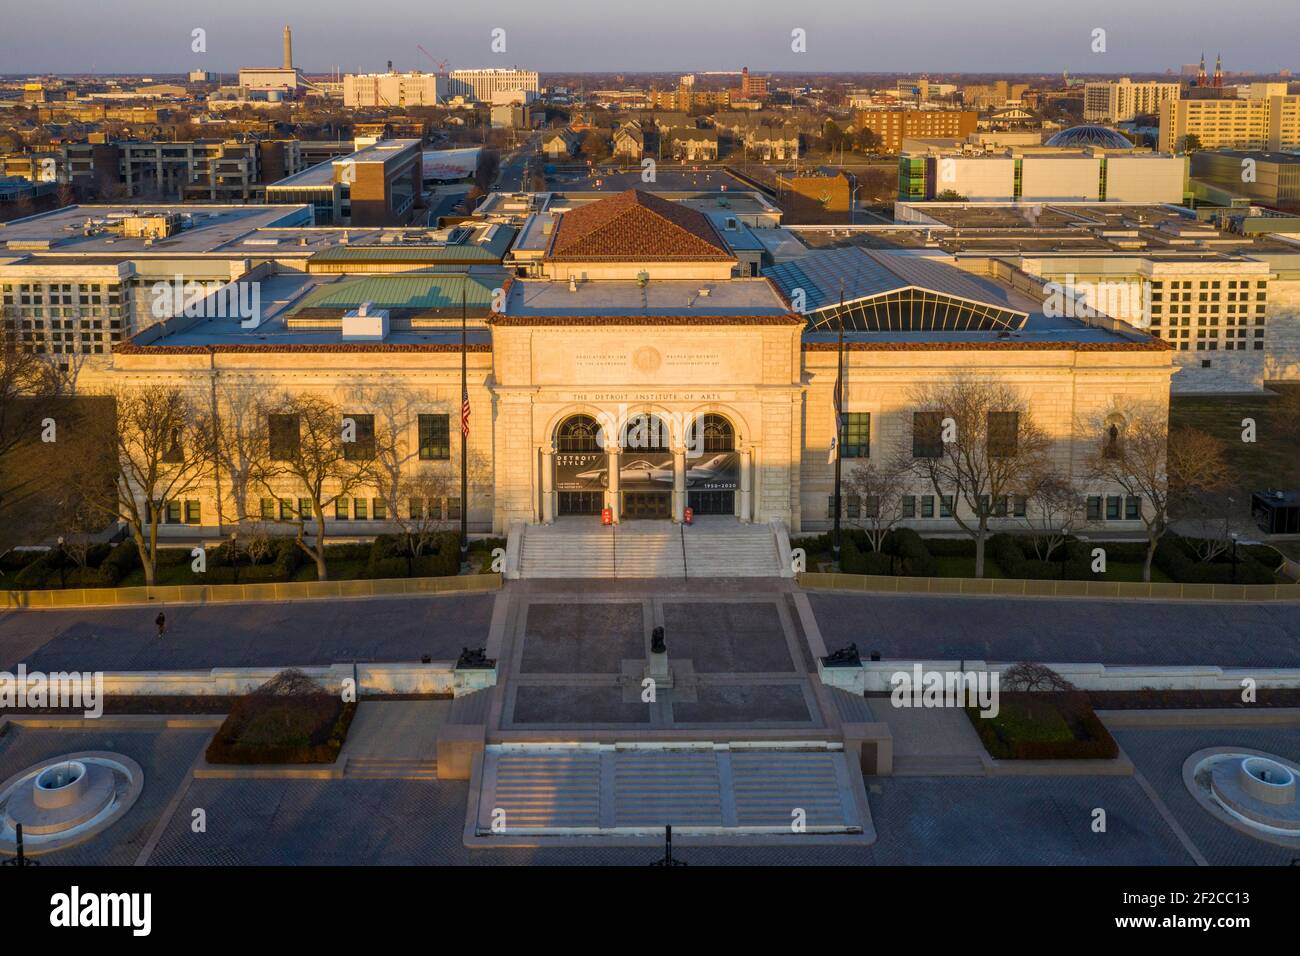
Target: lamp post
x,y
464,427
1234,557
839,426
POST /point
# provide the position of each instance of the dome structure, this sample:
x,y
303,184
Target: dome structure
x,y
1077,137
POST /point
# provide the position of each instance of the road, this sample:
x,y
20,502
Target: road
x,y
402,629
299,633
1226,634
515,165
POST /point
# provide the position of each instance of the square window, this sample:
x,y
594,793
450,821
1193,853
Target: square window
x,y
283,432
855,435
193,512
362,432
341,509
1094,507
435,437
1132,508
1003,433
909,506
359,509
1112,507
927,506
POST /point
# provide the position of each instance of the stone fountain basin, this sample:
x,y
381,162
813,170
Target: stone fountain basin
x,y
43,811
1245,793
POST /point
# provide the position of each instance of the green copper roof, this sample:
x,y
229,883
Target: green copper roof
x,y
403,291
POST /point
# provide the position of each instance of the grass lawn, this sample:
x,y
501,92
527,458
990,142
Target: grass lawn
x,y
1017,720
1268,462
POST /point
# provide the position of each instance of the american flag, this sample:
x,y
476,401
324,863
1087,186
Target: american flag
x,y
464,414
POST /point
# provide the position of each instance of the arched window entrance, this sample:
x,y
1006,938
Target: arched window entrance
x,y
712,467
581,466
646,468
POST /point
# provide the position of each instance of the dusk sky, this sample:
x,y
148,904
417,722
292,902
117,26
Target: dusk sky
x,y
140,36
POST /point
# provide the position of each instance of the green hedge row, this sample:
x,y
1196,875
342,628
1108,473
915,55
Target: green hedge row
x,y
906,553
1176,559
109,566
903,552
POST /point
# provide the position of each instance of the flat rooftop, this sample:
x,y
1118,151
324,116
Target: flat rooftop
x,y
659,297
302,297
205,228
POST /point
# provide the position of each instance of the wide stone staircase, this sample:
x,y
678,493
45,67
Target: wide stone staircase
x,y
712,547
707,789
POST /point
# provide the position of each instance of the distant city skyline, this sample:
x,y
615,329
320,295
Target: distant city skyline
x,y
143,36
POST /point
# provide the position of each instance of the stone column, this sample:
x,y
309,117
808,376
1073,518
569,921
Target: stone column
x,y
746,494
679,484
611,491
548,485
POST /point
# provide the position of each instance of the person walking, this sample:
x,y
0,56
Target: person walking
x,y
161,621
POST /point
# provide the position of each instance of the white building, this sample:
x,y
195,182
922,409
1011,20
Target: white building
x,y
394,89
481,84
1123,99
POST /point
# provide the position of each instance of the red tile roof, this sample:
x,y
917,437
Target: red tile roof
x,y
636,226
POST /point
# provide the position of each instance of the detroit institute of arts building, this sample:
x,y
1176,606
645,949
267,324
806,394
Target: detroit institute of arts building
x,y
640,357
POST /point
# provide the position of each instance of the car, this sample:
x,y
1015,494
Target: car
x,y
634,471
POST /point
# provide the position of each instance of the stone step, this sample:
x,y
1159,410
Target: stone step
x,y
938,765
584,793
638,549
391,768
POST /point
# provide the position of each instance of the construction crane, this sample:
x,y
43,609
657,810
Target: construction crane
x,y
440,65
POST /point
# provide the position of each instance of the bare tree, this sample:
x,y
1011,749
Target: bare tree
x,y
977,440
1052,507
879,488
303,447
1140,455
422,518
147,448
1029,676
31,398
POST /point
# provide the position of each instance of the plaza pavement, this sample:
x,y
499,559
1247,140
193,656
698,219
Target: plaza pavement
x,y
264,634
1052,630
919,820
304,633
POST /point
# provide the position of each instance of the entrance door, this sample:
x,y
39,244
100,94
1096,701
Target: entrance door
x,y
712,502
581,502
647,504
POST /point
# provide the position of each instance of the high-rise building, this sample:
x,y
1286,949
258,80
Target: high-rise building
x,y
1264,120
894,126
394,89
481,84
1123,99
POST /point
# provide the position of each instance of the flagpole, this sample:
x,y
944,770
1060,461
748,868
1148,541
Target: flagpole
x,y
839,426
464,431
